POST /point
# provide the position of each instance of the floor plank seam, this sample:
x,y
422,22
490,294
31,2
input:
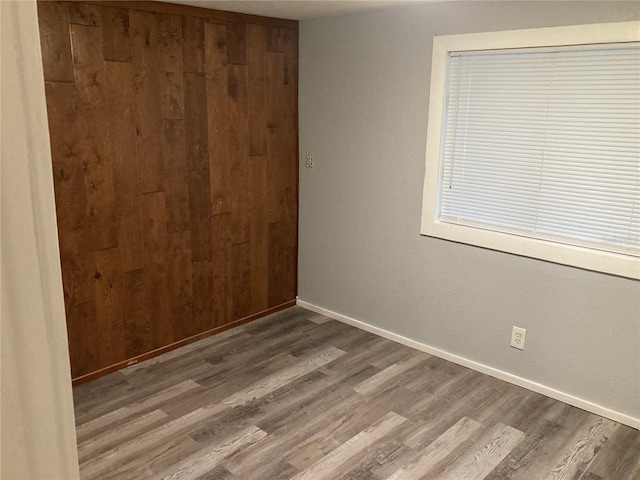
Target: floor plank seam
x,y
348,405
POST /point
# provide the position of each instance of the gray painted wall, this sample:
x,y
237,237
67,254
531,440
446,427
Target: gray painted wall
x,y
364,90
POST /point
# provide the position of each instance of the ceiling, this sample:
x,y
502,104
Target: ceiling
x,y
296,9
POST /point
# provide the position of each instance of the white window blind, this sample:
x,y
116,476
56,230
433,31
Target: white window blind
x,y
545,143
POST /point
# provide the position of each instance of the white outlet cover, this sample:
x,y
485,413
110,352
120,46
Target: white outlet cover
x,y
518,337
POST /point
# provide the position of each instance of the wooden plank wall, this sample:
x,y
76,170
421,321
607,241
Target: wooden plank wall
x,y
174,143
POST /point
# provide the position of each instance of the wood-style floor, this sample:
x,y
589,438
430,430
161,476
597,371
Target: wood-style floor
x,y
299,396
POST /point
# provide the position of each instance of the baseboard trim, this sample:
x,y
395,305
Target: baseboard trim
x,y
479,367
181,343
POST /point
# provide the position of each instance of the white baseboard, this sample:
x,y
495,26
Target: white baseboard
x,y
479,367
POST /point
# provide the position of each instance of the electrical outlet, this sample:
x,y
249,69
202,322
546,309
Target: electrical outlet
x,y
518,336
309,160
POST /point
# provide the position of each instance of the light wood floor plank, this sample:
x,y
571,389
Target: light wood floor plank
x,y
241,462
110,438
484,455
201,462
585,447
155,460
325,467
372,384
135,447
318,318
620,455
277,380
129,410
440,449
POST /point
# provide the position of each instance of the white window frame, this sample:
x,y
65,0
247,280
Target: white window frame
x,y
582,257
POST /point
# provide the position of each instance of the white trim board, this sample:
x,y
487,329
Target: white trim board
x,y
479,367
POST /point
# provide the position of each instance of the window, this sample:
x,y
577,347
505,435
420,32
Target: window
x,y
533,144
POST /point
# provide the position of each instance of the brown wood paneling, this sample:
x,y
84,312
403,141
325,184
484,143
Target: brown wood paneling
x,y
241,279
109,297
193,45
174,142
83,338
120,121
154,226
277,136
99,183
222,292
218,117
54,41
170,47
180,268
274,39
144,50
84,14
195,119
70,193
87,63
170,23
94,133
200,214
202,295
137,321
216,16
237,88
115,34
175,171
290,49
276,265
259,233
237,43
256,66
182,320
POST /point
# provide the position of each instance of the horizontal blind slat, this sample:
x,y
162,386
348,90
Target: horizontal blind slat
x,y
546,143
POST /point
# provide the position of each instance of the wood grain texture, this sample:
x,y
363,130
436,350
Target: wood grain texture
x,y
115,34
83,337
238,108
438,450
222,288
277,399
200,214
144,55
199,464
171,58
241,279
138,335
53,24
256,63
274,39
193,44
84,14
111,438
237,43
70,194
215,16
259,234
175,176
485,454
109,295
174,145
217,108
